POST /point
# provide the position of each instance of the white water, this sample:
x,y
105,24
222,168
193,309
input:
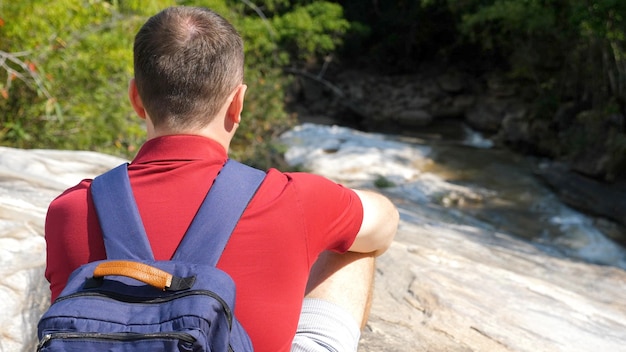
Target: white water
x,y
490,191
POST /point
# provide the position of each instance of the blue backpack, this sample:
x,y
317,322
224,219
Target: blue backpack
x,y
131,302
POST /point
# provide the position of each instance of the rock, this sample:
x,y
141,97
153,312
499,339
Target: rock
x,y
452,107
487,114
451,82
417,103
584,193
514,130
500,86
412,118
461,290
444,285
566,114
29,180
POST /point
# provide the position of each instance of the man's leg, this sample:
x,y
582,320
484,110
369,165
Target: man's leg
x,y
346,280
337,302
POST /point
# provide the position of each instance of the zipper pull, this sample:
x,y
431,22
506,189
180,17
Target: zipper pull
x,y
43,341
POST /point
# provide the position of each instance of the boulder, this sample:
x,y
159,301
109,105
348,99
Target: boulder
x,y
453,288
451,82
487,114
29,181
587,194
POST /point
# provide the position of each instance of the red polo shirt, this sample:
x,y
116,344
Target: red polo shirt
x,y
290,221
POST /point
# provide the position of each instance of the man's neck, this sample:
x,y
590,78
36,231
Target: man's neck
x,y
209,132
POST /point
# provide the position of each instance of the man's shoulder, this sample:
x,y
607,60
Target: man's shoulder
x,y
297,179
73,196
302,185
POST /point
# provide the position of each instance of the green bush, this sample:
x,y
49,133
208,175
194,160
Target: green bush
x,y
574,49
397,36
66,65
81,57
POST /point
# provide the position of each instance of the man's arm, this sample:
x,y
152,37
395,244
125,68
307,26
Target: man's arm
x,y
346,280
380,222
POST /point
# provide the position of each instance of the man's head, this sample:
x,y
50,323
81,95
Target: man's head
x,y
187,62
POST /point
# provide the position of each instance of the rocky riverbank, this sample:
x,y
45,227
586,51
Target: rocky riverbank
x,y
445,284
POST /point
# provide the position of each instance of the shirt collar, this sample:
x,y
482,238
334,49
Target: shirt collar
x,y
179,148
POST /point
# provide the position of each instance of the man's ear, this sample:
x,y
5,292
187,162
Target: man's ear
x,y
236,104
135,99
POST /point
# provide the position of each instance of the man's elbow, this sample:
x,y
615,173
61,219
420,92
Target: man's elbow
x,y
388,234
380,223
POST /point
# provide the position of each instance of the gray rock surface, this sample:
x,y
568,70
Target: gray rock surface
x,y
29,181
608,200
444,285
452,288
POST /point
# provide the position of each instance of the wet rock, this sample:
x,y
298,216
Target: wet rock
x,y
487,114
452,82
413,118
584,193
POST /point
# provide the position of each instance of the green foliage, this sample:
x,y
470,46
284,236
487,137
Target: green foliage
x,y
65,64
311,31
573,49
65,67
580,43
80,50
503,20
293,32
395,36
383,182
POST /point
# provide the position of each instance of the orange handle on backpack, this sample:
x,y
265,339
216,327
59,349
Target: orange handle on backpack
x,y
147,274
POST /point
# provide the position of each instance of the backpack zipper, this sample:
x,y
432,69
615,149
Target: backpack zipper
x,y
125,336
147,300
155,300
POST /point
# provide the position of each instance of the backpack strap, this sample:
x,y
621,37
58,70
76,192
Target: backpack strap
x,y
125,236
122,229
219,213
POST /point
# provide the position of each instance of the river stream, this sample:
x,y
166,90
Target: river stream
x,y
460,175
516,202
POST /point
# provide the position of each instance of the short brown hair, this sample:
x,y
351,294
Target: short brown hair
x,y
187,61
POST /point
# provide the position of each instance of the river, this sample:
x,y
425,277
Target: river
x,y
460,175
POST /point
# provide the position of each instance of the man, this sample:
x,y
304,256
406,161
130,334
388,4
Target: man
x,y
188,87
